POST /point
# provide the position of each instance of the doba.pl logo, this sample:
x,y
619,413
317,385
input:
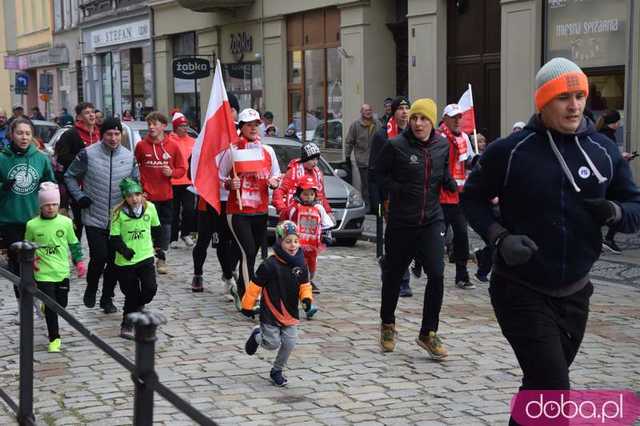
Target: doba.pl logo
x,y
558,407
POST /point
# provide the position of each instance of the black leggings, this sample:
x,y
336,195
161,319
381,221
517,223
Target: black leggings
x,y
248,231
101,256
184,214
213,228
58,291
454,217
138,284
426,244
10,234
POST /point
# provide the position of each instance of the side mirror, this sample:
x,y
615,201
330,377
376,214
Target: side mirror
x,y
341,173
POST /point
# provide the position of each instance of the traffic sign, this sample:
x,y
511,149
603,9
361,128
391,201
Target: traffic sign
x,y
22,83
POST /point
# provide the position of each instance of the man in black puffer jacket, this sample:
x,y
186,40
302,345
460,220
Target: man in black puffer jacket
x,y
559,182
412,168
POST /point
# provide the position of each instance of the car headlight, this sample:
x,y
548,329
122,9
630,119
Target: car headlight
x,y
354,200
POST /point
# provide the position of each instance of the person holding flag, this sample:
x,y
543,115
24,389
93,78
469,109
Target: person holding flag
x,y
459,153
248,169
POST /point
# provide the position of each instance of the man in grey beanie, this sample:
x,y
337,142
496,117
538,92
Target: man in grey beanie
x,y
558,181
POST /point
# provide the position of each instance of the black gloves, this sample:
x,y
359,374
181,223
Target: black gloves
x,y
84,202
127,253
516,249
306,304
603,211
451,185
8,185
249,313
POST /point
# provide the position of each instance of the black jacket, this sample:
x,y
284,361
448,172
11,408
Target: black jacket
x,y
67,147
537,199
378,141
412,173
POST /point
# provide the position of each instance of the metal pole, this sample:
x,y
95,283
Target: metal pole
x,y
144,376
26,252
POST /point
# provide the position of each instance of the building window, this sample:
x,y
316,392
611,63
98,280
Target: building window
x,y
57,15
244,80
107,84
185,92
315,78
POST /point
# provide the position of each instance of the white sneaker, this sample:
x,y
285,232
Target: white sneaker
x,y
229,289
188,241
174,245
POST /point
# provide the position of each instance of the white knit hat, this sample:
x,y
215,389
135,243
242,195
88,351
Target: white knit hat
x,y
48,194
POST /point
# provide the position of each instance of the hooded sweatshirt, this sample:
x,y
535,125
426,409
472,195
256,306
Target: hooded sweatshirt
x,y
542,178
151,158
185,144
29,169
72,142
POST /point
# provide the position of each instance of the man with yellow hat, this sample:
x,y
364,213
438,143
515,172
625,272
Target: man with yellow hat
x,y
412,168
558,181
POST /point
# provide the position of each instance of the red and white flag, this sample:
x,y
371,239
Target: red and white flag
x,y
248,160
218,132
468,122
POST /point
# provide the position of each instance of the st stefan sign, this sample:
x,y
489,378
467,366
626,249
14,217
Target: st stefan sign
x,y
119,34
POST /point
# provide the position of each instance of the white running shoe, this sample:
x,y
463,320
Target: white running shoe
x,y
188,241
229,289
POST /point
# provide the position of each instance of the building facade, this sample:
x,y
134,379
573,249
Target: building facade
x,y
66,36
117,59
313,63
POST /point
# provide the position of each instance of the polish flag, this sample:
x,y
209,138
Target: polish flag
x,y
218,132
248,160
468,122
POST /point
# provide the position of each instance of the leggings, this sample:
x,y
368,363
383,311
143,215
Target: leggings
x,y
248,231
401,245
454,217
58,291
213,227
138,284
184,214
9,234
101,256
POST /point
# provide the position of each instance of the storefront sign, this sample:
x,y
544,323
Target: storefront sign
x,y
53,56
191,68
11,63
241,43
119,34
592,33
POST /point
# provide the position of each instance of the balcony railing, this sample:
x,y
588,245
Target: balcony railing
x,y
214,5
94,7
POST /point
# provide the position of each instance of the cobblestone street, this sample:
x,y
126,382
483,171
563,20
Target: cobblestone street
x,y
337,374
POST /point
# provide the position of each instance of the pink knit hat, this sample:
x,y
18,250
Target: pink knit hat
x,y
48,194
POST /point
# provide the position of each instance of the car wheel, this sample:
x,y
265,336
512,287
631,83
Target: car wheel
x,y
346,242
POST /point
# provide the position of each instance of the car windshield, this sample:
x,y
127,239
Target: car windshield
x,y
45,133
286,153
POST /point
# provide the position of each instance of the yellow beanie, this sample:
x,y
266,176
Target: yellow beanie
x,y
426,107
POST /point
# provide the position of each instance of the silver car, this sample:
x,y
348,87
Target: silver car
x,y
346,202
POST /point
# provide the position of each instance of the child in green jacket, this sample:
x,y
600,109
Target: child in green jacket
x,y
135,228
56,237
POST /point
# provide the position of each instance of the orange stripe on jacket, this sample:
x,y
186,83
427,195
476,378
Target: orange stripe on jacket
x,y
568,82
305,292
251,294
282,315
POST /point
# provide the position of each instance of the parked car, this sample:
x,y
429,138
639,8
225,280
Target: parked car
x,y
334,134
45,131
346,202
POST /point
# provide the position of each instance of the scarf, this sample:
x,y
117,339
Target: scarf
x,y
458,141
88,137
392,128
294,261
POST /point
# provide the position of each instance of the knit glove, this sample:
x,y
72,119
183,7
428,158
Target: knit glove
x,y
249,313
306,304
516,249
603,211
81,269
8,185
127,253
84,202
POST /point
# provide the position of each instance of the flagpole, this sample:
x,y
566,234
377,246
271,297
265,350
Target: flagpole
x,y
475,134
235,175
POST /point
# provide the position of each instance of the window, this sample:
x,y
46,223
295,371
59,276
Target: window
x,y
57,15
245,81
315,78
185,94
67,14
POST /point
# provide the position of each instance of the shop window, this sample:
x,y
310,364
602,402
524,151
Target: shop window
x,y
244,80
107,84
185,92
315,78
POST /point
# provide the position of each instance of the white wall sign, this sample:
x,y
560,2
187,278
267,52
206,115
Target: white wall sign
x,y
119,34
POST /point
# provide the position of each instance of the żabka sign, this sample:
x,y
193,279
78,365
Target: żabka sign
x,y
573,407
191,68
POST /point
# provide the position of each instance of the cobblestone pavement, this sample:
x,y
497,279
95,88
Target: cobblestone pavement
x,y
337,374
